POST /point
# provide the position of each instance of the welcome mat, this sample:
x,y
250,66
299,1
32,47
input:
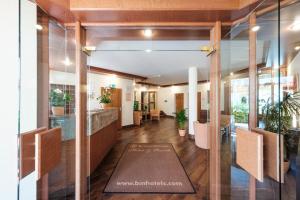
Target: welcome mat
x,y
149,168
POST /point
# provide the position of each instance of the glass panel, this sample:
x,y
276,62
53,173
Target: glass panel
x,y
288,95
47,162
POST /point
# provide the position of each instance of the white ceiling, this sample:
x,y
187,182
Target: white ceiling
x,y
169,61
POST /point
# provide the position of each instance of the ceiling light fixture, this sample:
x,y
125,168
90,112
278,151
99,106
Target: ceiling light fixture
x,y
148,50
295,26
90,48
255,28
39,27
148,33
231,73
297,48
67,61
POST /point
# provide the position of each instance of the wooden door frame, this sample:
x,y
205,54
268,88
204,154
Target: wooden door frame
x,y
215,114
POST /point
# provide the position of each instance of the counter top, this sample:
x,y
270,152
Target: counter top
x,y
100,118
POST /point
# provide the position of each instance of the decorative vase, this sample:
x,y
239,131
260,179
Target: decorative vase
x,y
182,132
58,110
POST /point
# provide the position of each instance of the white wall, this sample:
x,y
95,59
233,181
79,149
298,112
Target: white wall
x,y
28,109
166,97
9,76
96,81
63,78
294,67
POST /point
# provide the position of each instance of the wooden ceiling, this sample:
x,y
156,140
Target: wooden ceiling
x,y
171,19
147,11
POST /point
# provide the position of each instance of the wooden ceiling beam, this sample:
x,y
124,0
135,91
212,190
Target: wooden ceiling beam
x,y
100,70
144,5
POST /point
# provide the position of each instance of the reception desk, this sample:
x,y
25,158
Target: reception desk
x,y
101,136
102,131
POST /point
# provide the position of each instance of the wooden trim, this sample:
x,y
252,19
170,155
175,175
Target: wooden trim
x,y
150,84
252,93
148,24
215,114
252,74
184,83
48,151
271,8
81,110
100,70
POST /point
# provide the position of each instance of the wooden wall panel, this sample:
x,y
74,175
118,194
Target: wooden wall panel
x,y
27,151
48,151
249,152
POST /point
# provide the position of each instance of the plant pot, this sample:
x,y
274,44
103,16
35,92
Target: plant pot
x,y
182,132
105,105
58,110
286,166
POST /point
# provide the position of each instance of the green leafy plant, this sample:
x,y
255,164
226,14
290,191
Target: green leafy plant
x,y
277,117
241,111
59,98
136,106
105,97
181,119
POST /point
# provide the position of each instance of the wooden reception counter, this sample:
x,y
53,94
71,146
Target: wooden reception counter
x,y
101,136
102,131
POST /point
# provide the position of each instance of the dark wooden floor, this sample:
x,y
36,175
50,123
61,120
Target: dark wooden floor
x,y
195,161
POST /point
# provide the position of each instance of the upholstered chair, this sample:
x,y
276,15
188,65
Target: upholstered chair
x,y
155,114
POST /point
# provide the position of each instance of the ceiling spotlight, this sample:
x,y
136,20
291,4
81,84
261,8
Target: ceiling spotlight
x,y
231,73
67,61
297,48
255,28
148,50
148,33
39,27
295,26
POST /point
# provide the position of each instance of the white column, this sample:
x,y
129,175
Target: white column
x,y
9,78
193,82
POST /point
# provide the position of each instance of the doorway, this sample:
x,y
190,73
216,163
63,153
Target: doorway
x,y
179,102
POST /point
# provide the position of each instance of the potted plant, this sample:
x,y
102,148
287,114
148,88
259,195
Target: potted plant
x,y
105,98
277,118
58,100
181,119
137,115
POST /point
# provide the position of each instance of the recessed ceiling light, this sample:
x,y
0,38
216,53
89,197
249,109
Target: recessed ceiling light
x,y
148,33
39,27
297,48
90,48
67,61
255,28
231,73
148,50
295,26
